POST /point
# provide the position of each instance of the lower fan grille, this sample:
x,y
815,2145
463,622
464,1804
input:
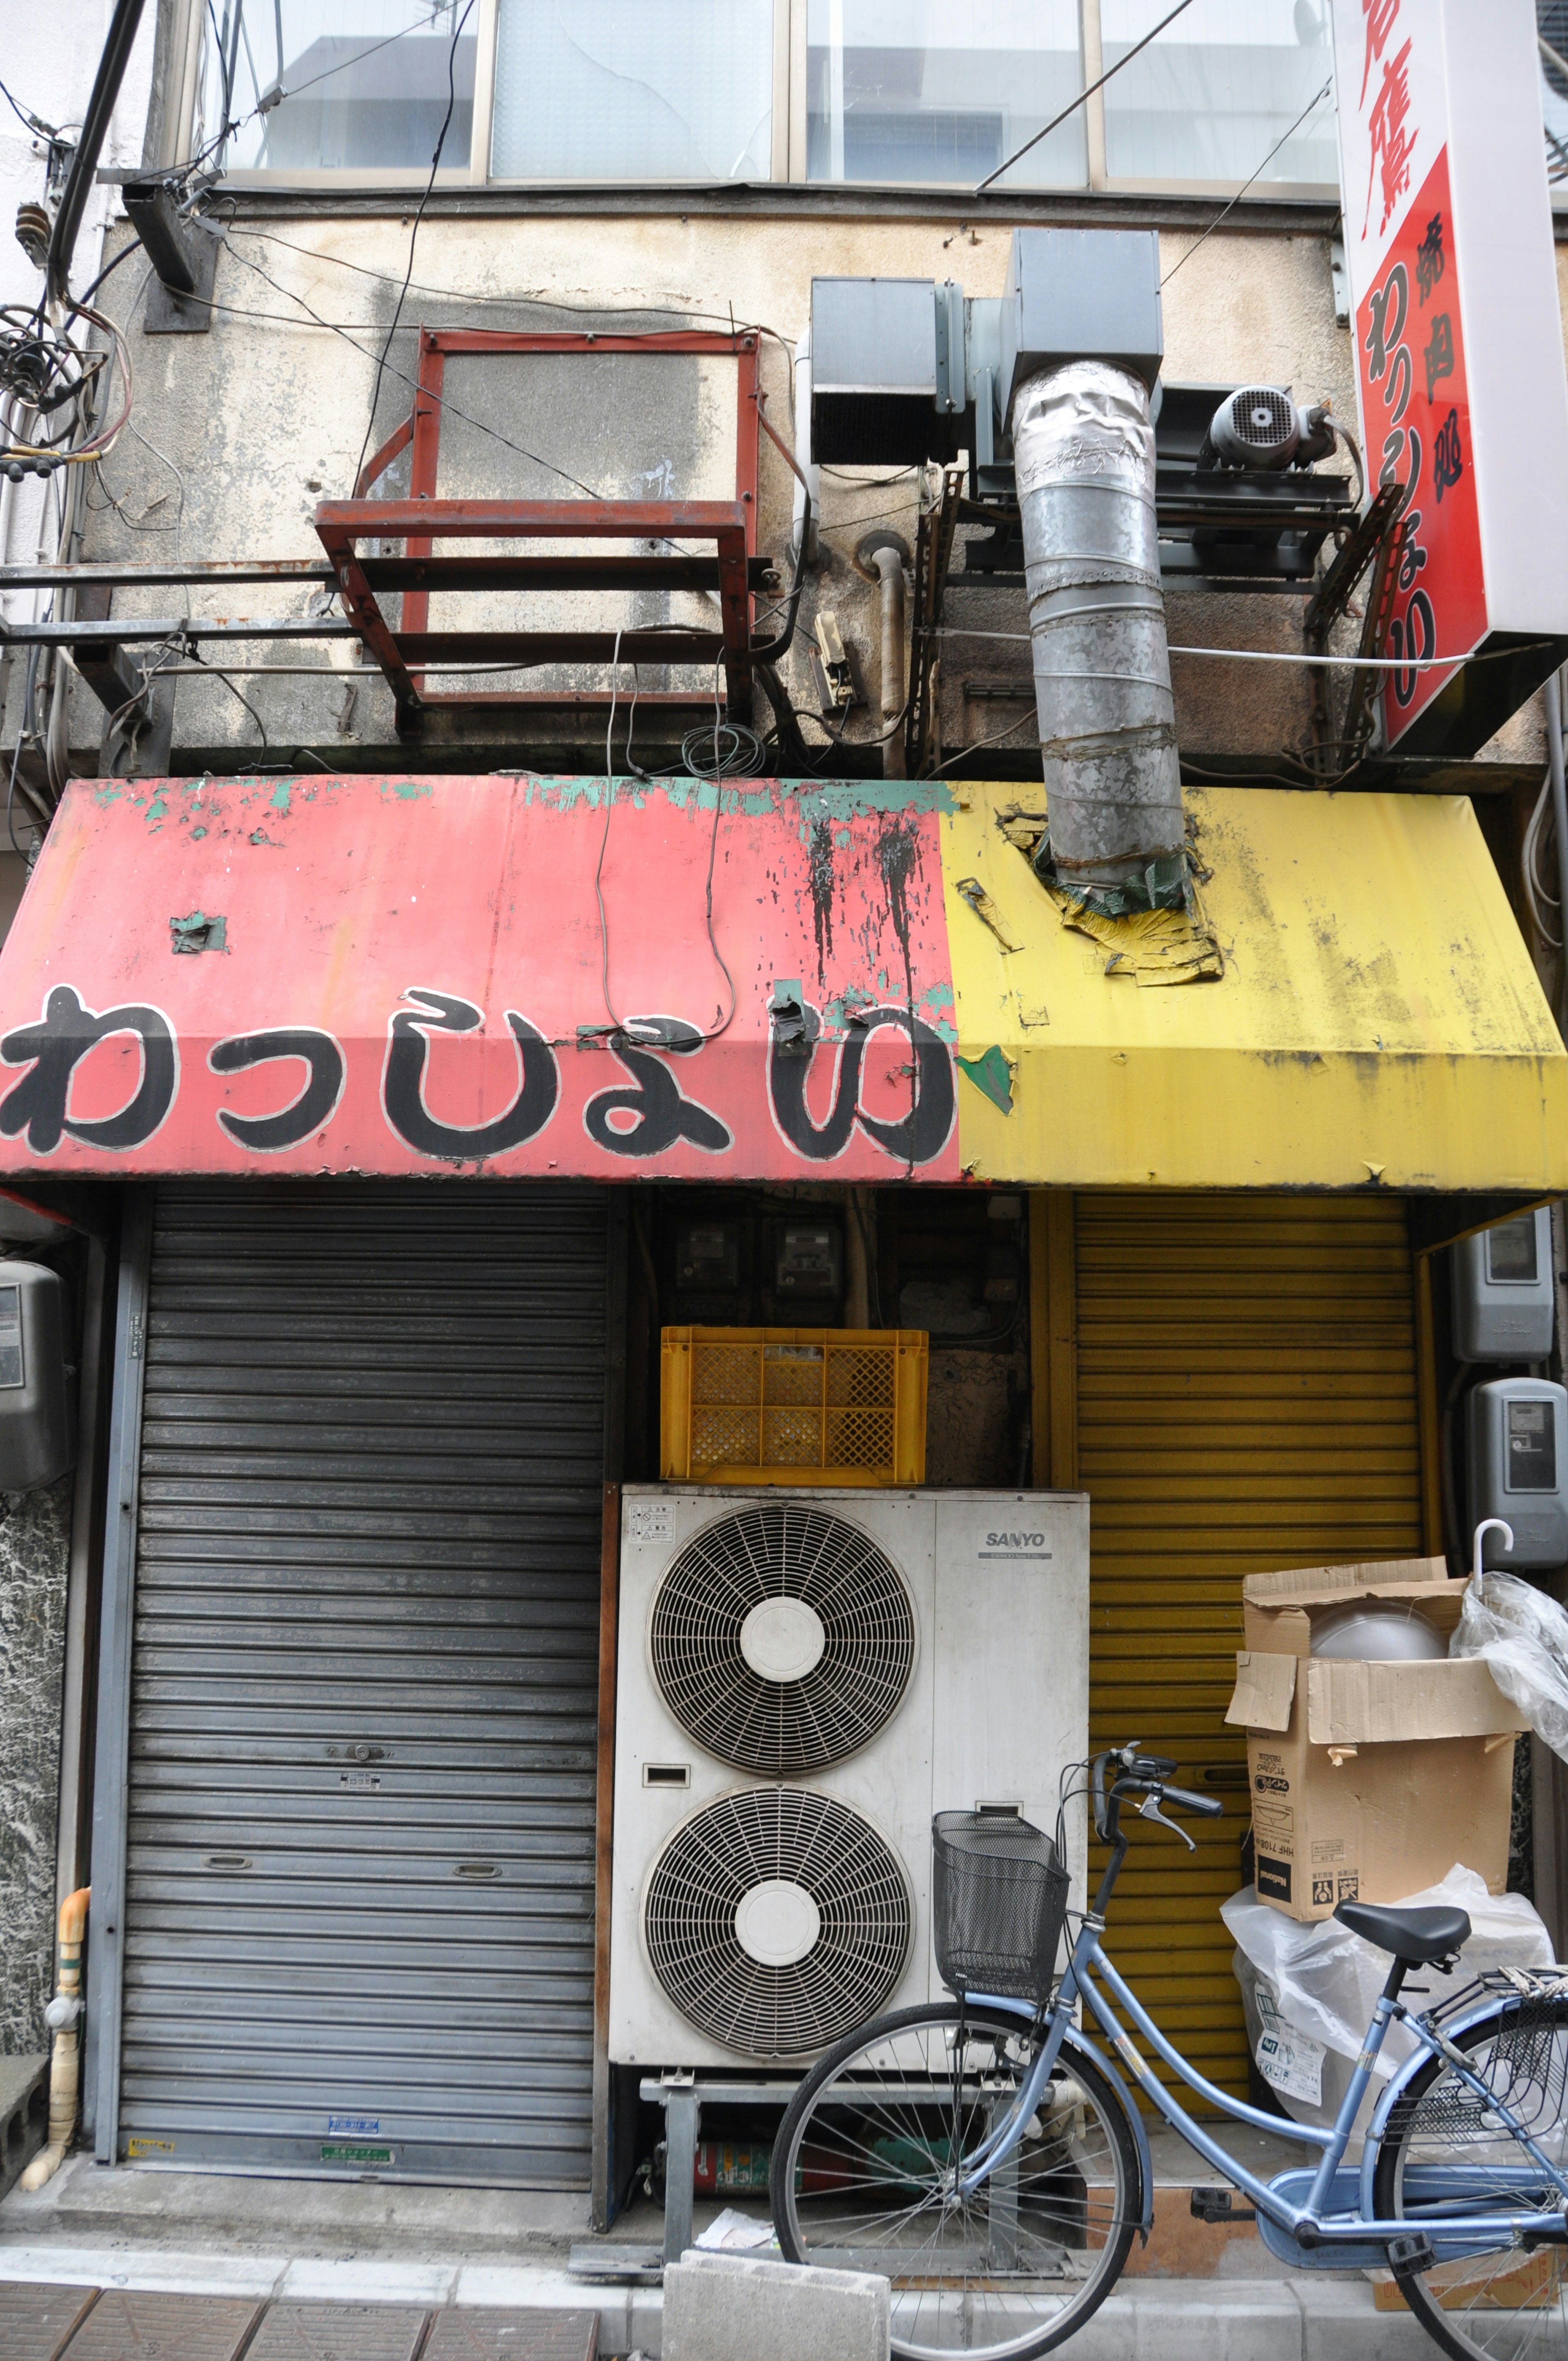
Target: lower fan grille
x,y
823,1871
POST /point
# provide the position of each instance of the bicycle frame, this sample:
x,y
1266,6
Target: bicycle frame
x,y
1319,2233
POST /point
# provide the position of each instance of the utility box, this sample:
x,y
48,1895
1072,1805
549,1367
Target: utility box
x,y
1502,1291
1517,1463
1080,295
874,373
1369,1780
38,1385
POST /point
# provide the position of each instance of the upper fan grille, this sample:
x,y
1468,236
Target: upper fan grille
x,y
1262,415
712,1864
782,1549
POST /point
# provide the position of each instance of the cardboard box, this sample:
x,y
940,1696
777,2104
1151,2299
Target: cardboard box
x,y
1369,1781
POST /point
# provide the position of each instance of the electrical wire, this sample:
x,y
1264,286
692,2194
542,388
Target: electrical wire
x,y
413,233
1072,109
1025,721
1536,890
25,115
681,314
1316,101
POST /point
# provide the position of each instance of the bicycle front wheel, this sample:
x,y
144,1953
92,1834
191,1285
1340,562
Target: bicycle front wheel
x,y
867,2160
1447,2152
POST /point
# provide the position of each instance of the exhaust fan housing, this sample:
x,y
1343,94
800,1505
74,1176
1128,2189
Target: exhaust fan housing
x,y
1260,427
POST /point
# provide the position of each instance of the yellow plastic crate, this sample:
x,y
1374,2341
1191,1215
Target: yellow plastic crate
x,y
793,1406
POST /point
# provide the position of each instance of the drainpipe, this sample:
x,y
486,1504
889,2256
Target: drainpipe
x,y
807,480
882,557
1084,450
63,2013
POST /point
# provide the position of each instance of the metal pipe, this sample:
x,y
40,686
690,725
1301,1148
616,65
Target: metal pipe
x,y
64,2013
882,556
807,494
106,84
1084,450
1559,829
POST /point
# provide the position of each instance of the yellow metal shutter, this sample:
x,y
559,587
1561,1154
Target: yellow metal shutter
x,y
1246,1398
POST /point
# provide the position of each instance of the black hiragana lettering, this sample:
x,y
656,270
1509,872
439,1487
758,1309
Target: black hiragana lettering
x,y
914,1139
402,1081
39,1104
265,1133
663,1116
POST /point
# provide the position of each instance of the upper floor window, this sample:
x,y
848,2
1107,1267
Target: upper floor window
x,y
1216,96
633,90
338,85
937,93
943,91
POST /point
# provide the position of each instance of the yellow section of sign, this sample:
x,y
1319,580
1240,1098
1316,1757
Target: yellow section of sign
x,y
1378,1022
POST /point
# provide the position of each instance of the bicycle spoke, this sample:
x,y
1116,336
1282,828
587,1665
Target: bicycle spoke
x,y
874,2162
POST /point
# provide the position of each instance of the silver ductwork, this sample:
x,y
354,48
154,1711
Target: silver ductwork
x,y
1084,448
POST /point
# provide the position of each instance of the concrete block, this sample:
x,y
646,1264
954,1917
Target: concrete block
x,y
716,2306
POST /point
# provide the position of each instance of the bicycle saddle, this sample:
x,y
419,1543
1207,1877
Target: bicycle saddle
x,y
1418,1936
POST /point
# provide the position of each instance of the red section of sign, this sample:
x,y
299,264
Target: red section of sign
x,y
1410,354
385,975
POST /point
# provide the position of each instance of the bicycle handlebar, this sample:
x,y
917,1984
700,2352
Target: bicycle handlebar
x,y
1140,1774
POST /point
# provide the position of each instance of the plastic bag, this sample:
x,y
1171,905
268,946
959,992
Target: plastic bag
x,y
1319,1982
1522,1637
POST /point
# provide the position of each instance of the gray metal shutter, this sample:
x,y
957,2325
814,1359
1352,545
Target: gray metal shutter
x,y
360,1859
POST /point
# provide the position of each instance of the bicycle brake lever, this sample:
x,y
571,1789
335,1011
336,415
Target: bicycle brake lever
x,y
1149,1810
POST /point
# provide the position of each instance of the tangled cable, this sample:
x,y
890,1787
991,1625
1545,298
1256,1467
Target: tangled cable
x,y
57,378
723,750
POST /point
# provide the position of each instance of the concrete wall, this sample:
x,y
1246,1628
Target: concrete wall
x,y
240,431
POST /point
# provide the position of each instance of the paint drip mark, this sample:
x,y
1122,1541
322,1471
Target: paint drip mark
x,y
820,871
898,853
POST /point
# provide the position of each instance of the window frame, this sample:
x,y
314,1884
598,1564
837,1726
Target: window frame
x,y
788,157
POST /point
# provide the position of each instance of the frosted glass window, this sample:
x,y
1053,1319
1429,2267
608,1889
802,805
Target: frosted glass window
x,y
634,89
364,82
917,91
1207,99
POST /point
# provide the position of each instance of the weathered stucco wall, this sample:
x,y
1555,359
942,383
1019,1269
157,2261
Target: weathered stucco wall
x,y
34,1545
245,429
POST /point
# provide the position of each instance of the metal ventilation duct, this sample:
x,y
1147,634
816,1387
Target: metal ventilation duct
x,y
1084,450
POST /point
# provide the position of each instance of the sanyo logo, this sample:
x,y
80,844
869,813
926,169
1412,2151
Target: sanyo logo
x,y
1014,1540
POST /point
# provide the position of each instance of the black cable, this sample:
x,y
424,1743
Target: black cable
x,y
134,247
413,233
25,115
333,328
1082,94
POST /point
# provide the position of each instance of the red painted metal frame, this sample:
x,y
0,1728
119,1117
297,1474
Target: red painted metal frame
x,y
423,518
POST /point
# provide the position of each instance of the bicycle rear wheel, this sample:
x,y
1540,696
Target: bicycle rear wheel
x,y
1445,2151
863,2177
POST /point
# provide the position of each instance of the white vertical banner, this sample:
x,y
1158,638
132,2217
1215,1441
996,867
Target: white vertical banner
x,y
1448,242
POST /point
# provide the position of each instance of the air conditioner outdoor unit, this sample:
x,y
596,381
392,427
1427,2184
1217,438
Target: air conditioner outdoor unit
x,y
802,1678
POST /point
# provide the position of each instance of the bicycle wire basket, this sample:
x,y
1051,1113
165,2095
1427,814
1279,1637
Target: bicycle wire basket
x,y
1523,2065
999,1897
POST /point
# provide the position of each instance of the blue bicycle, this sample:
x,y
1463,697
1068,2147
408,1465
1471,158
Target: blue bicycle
x,y
985,2153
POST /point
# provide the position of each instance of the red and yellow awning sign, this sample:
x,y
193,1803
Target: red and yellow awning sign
x,y
853,981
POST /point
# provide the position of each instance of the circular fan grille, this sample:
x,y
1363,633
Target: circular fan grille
x,y
705,1874
705,1665
1263,416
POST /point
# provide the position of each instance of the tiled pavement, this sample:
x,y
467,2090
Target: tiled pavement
x,y
70,2324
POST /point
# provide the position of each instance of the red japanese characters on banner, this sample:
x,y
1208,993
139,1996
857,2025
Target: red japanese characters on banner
x,y
1448,252
1410,356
